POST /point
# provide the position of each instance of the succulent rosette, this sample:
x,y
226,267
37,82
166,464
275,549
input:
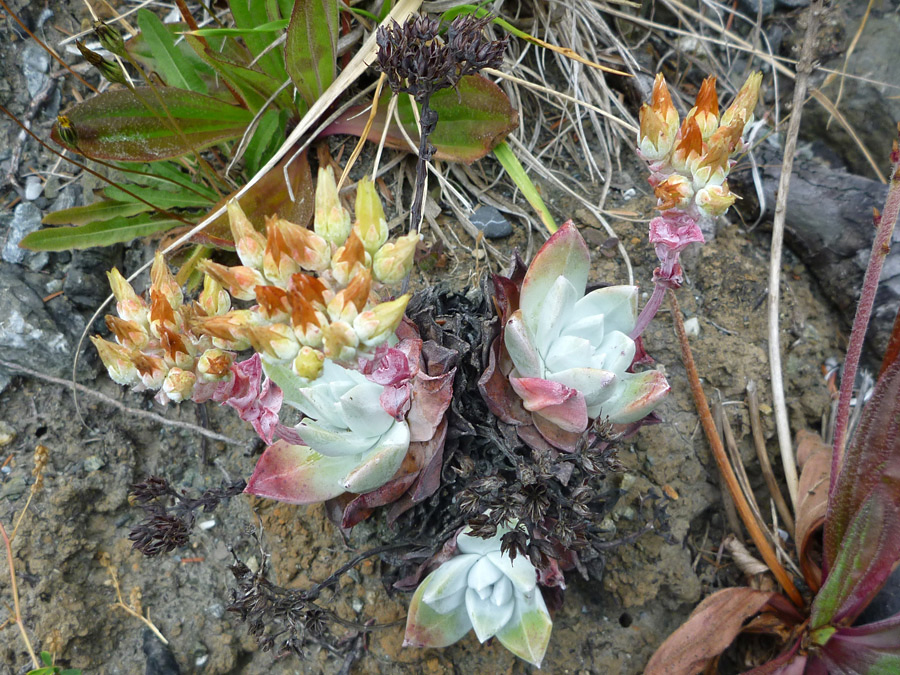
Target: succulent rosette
x,y
376,433
568,354
484,590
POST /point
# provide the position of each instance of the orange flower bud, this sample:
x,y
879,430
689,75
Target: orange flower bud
x,y
117,360
306,320
129,334
290,247
674,192
349,259
332,222
351,300
240,281
712,168
214,365
248,242
276,342
706,107
162,282
151,369
273,301
659,123
744,103
689,147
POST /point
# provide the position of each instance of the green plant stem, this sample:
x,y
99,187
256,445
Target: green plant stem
x,y
880,248
715,443
516,171
15,594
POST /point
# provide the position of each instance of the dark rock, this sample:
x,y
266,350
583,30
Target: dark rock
x,y
85,283
490,221
35,63
752,6
792,4
26,218
160,660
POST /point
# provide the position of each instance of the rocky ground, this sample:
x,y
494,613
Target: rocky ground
x,y
81,515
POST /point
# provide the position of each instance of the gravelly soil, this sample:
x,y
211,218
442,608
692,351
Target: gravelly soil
x,y
82,511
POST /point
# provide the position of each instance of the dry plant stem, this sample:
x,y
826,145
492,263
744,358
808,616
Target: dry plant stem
x,y
709,428
363,137
731,516
759,442
120,602
15,594
804,68
880,248
159,419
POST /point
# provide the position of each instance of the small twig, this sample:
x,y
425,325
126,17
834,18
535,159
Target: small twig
x,y
15,594
804,69
765,466
19,143
364,136
120,602
159,419
709,427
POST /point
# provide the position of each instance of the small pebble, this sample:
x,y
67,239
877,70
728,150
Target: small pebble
x,y
490,221
7,434
33,188
692,326
93,463
207,524
629,194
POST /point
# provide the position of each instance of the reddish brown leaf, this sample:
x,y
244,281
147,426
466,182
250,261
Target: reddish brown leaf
x,y
709,630
814,456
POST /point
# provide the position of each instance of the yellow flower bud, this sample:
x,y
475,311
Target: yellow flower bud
x,y
179,384
308,363
117,360
349,259
214,365
129,304
371,224
394,261
249,244
376,325
276,342
332,220
290,248
214,299
744,103
340,342
714,200
129,334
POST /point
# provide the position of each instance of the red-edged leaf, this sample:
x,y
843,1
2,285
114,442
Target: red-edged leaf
x,y
268,197
498,393
872,648
295,474
561,405
708,631
310,50
430,400
814,456
132,126
789,663
472,120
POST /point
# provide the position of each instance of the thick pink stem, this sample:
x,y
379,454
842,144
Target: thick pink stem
x,y
880,248
649,311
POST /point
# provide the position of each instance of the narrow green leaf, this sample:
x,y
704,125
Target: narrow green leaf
x,y
252,13
47,658
256,87
132,127
269,27
267,138
100,233
102,210
140,49
286,7
175,69
472,120
161,199
516,171
166,174
310,52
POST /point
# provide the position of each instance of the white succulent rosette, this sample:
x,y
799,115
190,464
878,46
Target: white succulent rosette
x,y
350,443
572,351
481,589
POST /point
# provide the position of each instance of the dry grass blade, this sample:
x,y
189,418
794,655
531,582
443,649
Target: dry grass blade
x,y
765,466
756,534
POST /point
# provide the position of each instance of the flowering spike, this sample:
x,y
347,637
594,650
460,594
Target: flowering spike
x,y
308,363
179,384
249,244
689,147
275,342
744,103
129,334
371,224
674,192
374,326
129,304
214,365
162,281
393,262
214,299
118,361
706,107
240,281
291,248
332,221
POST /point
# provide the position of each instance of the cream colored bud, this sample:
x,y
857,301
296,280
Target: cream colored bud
x,y
394,261
340,342
308,363
715,200
163,282
371,224
241,281
179,384
275,343
332,221
376,325
214,299
248,242
214,365
117,360
129,305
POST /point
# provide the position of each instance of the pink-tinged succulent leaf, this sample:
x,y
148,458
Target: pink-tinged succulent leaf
x,y
565,254
617,304
390,369
544,432
395,400
256,401
596,385
296,474
872,648
474,117
380,465
430,399
673,235
712,626
497,392
427,628
790,663
814,456
639,394
556,402
527,633
872,459
521,348
432,454
864,561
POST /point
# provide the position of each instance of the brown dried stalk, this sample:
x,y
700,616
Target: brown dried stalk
x,y
765,465
709,428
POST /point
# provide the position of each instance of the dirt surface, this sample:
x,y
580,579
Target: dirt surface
x,y
82,510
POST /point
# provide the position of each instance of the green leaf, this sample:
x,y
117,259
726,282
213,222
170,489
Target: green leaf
x,y
252,13
102,210
140,48
47,658
256,87
310,52
516,171
267,138
161,199
132,127
472,120
174,67
100,233
51,670
167,175
269,27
